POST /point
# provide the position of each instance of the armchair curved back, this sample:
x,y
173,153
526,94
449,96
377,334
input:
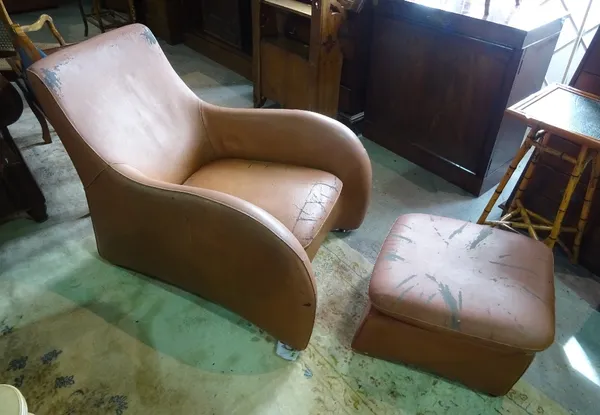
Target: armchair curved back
x,y
120,102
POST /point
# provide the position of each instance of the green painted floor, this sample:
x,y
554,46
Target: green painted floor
x,y
132,345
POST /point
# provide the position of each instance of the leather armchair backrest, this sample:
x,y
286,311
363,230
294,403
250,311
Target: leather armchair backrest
x,y
116,99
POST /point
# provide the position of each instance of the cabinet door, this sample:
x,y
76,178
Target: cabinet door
x,y
355,38
436,89
19,6
221,18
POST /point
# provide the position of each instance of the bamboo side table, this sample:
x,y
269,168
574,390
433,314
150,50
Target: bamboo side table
x,y
575,116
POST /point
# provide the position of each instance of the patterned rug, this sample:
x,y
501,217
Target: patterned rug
x,y
80,336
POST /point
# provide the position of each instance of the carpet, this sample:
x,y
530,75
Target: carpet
x,y
81,336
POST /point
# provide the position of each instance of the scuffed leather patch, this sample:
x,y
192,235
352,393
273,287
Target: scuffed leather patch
x,y
149,36
51,79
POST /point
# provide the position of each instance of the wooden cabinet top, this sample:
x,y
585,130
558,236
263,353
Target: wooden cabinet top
x,y
505,24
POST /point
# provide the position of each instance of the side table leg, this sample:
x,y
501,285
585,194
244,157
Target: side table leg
x,y
509,172
566,200
587,204
528,173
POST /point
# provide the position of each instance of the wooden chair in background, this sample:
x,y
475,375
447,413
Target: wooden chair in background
x,y
17,52
108,15
297,58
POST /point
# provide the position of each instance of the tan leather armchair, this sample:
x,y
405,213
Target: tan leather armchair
x,y
230,204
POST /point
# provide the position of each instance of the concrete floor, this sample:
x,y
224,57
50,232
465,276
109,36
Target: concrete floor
x,y
568,372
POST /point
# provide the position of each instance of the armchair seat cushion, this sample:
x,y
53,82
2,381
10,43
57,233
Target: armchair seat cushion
x,y
301,198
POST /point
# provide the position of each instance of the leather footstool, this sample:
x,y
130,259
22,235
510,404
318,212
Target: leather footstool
x,y
465,301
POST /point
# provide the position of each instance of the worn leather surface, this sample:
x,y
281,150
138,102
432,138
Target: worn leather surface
x,y
468,280
136,133
462,300
299,138
476,364
300,198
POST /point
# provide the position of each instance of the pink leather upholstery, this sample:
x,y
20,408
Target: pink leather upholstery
x,y
175,186
451,275
476,302
310,195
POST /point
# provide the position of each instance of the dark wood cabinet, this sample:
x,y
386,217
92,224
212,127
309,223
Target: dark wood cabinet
x,y
19,6
587,76
221,30
164,17
18,189
440,80
355,37
224,20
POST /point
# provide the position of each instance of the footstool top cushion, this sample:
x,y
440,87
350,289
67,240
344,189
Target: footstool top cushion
x,y
473,280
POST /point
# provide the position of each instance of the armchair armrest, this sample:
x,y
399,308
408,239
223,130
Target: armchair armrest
x,y
209,243
300,138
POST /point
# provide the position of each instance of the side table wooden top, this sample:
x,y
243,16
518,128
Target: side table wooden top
x,y
564,111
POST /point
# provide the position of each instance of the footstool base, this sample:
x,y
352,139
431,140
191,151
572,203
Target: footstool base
x,y
465,301
486,369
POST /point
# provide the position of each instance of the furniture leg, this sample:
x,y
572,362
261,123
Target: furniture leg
x,y
566,200
587,203
43,123
85,22
528,173
37,112
41,119
96,7
509,172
